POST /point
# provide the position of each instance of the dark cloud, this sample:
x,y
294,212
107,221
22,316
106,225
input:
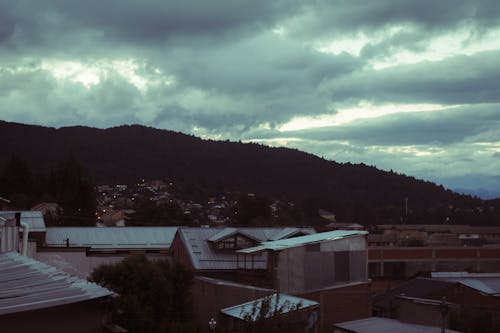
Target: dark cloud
x,y
348,16
239,70
457,80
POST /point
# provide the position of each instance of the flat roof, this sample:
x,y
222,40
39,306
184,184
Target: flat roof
x,y
111,237
282,244
27,284
285,303
386,325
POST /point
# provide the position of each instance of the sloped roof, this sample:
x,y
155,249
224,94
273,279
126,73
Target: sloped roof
x,y
282,244
284,302
205,257
32,217
27,284
487,283
228,232
112,237
386,325
419,288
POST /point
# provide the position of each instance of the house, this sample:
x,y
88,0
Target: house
x,y
478,297
79,250
34,220
329,268
384,325
212,252
311,262
35,297
471,301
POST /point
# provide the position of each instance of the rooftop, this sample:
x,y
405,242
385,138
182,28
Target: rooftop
x,y
282,244
27,284
486,283
205,257
112,237
385,325
284,303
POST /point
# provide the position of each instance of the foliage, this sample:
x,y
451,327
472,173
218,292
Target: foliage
x,y
154,296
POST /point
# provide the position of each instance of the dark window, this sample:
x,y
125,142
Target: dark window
x,y
313,247
342,266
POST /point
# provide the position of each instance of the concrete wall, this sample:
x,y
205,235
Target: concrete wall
x,y
316,266
342,303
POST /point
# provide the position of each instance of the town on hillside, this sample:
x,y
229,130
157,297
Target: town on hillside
x,y
210,274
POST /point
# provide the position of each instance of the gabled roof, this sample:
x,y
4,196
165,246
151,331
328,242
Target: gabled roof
x,y
303,240
286,233
284,302
33,218
112,237
386,325
27,284
228,232
205,257
486,283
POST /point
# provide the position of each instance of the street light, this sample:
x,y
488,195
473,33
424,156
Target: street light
x,y
212,323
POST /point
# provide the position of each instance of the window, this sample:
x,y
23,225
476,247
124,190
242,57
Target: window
x,y
236,242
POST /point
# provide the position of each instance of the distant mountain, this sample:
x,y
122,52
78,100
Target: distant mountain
x,y
478,192
127,153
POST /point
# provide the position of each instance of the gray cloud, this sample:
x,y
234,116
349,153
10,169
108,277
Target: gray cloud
x,y
239,70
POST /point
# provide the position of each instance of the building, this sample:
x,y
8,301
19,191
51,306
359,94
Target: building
x,y
79,250
36,297
212,252
273,311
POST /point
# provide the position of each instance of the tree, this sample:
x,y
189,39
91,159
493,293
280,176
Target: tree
x,y
74,191
154,296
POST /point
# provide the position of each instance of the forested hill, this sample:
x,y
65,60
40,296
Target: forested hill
x,y
127,153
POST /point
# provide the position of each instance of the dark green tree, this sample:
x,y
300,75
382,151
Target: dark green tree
x,y
16,183
154,296
74,191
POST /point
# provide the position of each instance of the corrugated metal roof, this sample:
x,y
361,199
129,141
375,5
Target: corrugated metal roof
x,y
385,325
32,217
27,284
285,233
111,238
303,240
487,283
205,257
417,288
284,302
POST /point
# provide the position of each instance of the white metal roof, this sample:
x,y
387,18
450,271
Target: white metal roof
x,y
284,302
27,284
205,257
303,240
32,217
487,283
112,237
386,325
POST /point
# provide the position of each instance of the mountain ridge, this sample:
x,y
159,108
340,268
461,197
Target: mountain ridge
x,y
129,152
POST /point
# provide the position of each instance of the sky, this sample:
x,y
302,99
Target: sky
x,y
410,85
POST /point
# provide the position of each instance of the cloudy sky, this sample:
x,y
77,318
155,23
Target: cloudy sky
x,y
408,85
